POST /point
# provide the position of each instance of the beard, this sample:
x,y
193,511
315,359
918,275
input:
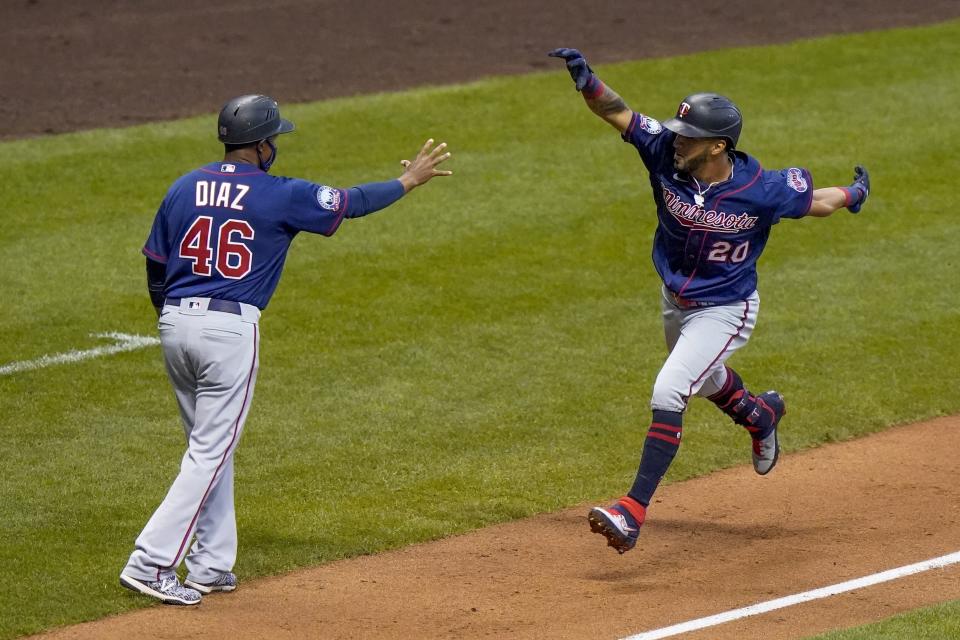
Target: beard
x,y
690,164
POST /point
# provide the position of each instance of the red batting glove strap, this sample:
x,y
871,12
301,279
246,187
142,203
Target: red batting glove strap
x,y
594,88
852,195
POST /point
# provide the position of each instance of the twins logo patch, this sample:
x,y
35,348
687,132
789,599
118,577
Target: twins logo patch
x,y
796,181
328,198
650,125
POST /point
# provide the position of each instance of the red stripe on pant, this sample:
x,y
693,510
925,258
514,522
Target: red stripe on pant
x,y
743,323
223,460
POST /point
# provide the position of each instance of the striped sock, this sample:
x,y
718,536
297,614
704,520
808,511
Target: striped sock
x,y
659,449
635,512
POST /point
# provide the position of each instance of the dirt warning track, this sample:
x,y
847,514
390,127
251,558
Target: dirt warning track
x,y
78,65
713,544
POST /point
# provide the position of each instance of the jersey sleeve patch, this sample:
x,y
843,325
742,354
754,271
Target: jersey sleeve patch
x,y
328,198
650,125
651,140
796,181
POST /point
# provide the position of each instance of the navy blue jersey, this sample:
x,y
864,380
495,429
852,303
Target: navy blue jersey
x,y
708,240
223,230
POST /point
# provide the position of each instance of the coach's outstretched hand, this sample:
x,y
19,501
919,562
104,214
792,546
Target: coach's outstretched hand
x,y
858,191
424,166
577,65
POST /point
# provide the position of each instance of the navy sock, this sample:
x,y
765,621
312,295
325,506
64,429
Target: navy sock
x,y
723,397
659,449
741,405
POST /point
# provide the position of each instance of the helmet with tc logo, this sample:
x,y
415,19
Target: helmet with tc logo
x,y
707,115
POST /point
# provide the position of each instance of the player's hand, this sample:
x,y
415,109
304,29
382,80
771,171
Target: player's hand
x,y
860,188
577,65
424,166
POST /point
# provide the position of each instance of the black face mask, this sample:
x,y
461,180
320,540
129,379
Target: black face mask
x,y
265,166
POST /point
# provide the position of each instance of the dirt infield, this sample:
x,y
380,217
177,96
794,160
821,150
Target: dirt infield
x,y
713,544
76,65
716,543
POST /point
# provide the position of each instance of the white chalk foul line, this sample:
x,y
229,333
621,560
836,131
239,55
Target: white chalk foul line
x,y
806,596
122,342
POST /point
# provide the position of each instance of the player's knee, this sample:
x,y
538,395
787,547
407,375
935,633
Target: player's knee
x,y
667,396
713,383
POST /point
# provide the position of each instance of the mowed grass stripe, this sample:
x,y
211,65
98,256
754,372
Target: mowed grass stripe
x,y
941,622
483,350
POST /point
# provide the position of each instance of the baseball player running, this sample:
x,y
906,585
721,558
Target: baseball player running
x,y
214,257
715,207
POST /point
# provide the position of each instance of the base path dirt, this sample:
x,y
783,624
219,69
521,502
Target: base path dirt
x,y
721,542
69,65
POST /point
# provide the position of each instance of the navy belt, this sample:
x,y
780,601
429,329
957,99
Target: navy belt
x,y
685,303
226,306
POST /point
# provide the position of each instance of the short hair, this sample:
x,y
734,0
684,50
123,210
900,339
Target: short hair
x,y
227,148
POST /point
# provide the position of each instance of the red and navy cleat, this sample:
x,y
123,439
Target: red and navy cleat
x,y
766,450
619,523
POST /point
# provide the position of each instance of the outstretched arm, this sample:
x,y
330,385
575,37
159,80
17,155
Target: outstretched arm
x,y
601,99
611,107
374,196
826,201
830,199
424,166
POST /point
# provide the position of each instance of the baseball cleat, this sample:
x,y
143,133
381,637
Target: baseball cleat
x,y
766,451
168,590
224,582
618,523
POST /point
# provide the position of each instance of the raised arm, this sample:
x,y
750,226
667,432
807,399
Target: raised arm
x,y
830,199
601,99
367,198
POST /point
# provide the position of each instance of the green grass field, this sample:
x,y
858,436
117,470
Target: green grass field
x,y
935,623
467,356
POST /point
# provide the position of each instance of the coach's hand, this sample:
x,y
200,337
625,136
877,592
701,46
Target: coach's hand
x,y
424,166
577,65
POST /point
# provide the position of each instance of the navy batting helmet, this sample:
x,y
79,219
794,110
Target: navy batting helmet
x,y
250,119
707,115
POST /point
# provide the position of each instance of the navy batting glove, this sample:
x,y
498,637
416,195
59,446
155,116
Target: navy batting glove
x,y
577,65
858,191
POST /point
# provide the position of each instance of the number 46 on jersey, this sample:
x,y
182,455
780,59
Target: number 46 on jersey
x,y
230,256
